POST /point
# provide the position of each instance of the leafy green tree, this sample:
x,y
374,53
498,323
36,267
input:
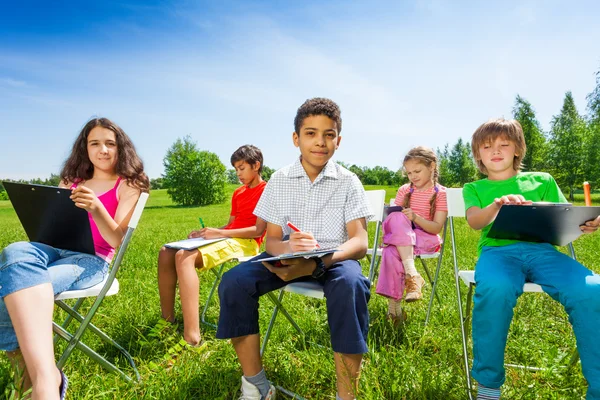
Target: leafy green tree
x,y
193,177
157,183
591,165
536,155
445,178
358,171
232,176
267,172
461,167
567,132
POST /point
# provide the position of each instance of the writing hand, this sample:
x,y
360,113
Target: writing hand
x,y
302,241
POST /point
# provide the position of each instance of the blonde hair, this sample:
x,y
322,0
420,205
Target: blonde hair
x,y
427,157
491,130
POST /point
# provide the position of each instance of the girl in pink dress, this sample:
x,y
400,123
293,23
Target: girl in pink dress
x,y
413,231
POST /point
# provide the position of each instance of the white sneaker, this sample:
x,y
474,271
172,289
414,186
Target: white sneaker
x,y
251,392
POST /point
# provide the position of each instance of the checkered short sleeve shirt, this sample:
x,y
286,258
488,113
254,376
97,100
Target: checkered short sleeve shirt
x,y
322,207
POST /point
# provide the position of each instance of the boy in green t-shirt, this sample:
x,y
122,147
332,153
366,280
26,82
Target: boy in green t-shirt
x,y
505,265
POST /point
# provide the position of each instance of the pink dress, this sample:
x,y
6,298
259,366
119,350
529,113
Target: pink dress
x,y
398,230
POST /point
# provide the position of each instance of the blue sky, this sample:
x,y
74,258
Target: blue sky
x,y
418,72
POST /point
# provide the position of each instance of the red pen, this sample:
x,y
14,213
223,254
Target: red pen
x,y
295,228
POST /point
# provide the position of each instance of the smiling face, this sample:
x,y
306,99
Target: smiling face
x,y
498,157
246,173
419,174
318,140
102,149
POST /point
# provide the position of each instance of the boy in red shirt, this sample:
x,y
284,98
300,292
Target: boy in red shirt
x,y
245,233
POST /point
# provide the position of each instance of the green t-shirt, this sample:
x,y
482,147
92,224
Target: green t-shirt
x,y
534,186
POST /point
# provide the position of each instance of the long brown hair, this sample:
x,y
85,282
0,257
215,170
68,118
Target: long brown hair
x,y
427,157
129,165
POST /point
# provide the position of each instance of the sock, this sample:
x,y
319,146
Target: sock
x,y
395,307
486,393
409,267
260,381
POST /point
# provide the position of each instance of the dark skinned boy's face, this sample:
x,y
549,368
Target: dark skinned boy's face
x,y
318,140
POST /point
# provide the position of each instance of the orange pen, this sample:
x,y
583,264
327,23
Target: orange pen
x,y
294,228
587,195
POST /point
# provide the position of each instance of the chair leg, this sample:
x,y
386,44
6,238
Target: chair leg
x,y
93,355
61,332
437,276
460,315
277,302
218,275
69,318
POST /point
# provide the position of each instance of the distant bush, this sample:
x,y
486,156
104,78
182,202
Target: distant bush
x,y
3,195
193,177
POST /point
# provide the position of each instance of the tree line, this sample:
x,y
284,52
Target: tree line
x,y
570,151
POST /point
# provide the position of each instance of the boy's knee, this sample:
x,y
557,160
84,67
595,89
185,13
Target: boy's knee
x,y
352,282
229,284
587,293
497,290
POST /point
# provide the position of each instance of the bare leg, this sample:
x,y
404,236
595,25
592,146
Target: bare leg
x,y
30,311
406,252
248,352
22,379
347,370
167,282
189,287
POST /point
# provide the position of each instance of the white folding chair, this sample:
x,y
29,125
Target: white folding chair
x,y
457,205
109,287
218,275
432,281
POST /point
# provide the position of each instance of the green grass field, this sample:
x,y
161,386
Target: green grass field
x,y
410,363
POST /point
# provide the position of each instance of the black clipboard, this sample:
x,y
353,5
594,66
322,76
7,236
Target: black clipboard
x,y
49,216
557,224
305,254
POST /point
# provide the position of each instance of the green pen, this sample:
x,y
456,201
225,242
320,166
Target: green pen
x,y
201,222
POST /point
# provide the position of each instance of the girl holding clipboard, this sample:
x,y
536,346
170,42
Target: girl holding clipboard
x,y
106,177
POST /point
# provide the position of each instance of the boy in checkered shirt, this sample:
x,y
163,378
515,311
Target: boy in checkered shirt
x,y
329,205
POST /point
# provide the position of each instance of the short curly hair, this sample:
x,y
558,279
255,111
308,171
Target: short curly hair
x,y
318,106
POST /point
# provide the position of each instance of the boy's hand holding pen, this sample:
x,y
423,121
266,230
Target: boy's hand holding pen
x,y
205,233
301,241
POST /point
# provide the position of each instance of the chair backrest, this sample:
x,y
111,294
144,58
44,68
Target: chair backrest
x,y
393,201
456,203
376,199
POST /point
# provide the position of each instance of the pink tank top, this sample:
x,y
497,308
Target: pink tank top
x,y
110,200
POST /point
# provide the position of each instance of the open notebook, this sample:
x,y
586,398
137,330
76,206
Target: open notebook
x,y
190,244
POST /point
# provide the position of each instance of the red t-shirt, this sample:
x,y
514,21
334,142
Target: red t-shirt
x,y
243,203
